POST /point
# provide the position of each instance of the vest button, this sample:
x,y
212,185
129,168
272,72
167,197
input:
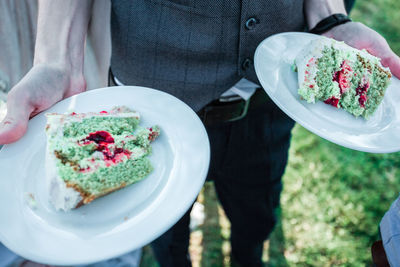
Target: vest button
x,y
246,63
251,23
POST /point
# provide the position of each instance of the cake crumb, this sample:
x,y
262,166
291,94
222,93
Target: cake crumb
x,y
294,67
126,218
31,201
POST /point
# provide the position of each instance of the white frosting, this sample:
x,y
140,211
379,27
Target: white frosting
x,y
311,50
60,196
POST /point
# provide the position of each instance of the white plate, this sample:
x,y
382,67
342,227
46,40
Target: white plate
x,y
273,63
117,223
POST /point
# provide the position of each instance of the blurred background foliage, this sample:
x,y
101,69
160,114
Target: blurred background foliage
x,y
333,198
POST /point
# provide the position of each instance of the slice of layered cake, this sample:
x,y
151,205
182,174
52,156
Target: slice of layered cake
x,y
341,76
92,154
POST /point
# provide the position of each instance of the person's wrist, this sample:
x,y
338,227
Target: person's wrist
x,y
317,10
72,65
61,75
67,68
330,22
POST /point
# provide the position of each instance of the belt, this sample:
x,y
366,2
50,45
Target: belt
x,y
219,111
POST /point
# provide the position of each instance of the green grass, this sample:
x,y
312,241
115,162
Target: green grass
x,y
381,15
333,201
333,198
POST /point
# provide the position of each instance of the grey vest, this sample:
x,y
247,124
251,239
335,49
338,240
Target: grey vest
x,y
194,49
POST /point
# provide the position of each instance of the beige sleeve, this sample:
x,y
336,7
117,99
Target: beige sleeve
x,y
18,20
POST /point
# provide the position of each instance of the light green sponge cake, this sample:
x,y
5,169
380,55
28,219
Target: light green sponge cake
x,y
92,154
341,76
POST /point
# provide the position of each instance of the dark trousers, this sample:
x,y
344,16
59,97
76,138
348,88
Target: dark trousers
x,y
248,158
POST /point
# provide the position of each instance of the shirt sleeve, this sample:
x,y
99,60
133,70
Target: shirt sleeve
x,y
390,232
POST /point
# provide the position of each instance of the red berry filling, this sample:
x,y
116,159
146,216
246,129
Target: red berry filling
x,y
332,101
100,137
108,155
361,91
103,139
152,135
88,169
342,77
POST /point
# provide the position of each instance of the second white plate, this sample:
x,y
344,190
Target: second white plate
x,y
273,62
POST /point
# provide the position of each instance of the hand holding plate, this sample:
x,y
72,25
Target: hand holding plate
x,y
42,87
360,36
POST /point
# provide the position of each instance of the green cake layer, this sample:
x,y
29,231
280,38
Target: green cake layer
x,y
343,77
99,153
113,125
